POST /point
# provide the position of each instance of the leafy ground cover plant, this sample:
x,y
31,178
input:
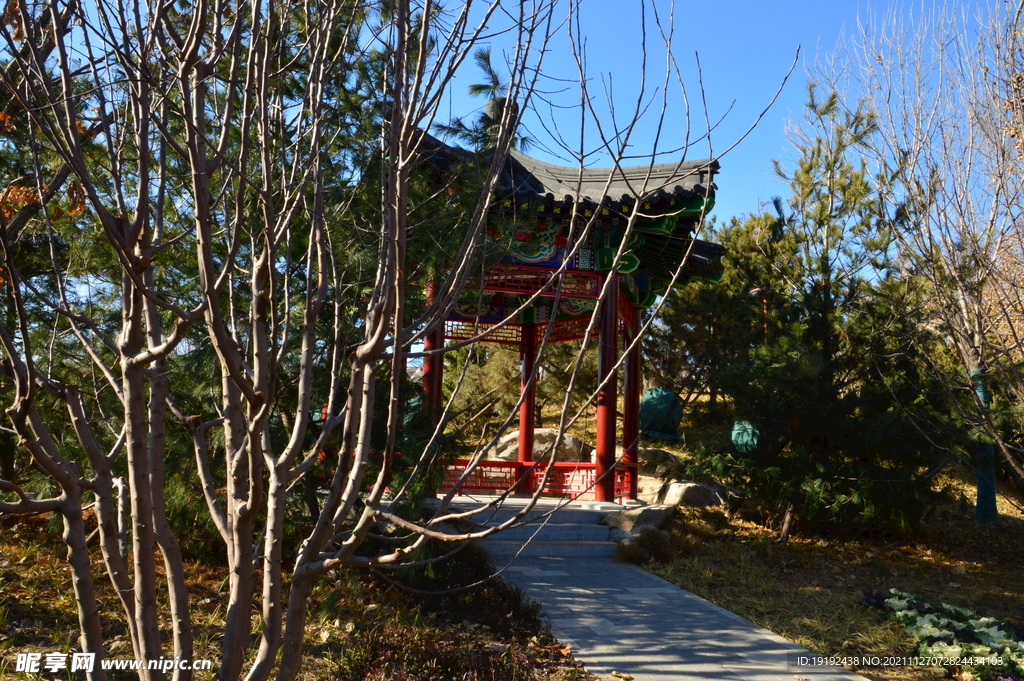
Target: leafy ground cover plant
x,y
951,633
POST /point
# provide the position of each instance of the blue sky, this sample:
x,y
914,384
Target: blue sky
x,y
745,49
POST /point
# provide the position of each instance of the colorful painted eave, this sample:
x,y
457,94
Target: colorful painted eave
x,y
549,216
544,206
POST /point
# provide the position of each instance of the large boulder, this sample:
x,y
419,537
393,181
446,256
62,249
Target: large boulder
x,y
685,493
653,460
632,519
645,545
569,447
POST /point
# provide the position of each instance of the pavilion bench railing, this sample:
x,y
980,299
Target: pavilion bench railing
x,y
566,478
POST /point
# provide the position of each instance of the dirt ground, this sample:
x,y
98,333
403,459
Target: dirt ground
x,y
809,589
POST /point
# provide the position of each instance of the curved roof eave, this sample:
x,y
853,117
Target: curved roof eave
x,y
530,179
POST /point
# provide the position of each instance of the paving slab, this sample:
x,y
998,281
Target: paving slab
x,y
620,618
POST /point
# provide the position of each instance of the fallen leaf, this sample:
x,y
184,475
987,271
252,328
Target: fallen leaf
x,y
622,675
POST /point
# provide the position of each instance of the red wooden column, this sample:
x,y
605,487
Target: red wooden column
x,y
433,365
608,351
528,390
631,401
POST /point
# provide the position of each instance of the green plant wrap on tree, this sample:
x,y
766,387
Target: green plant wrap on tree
x,y
661,410
985,511
745,436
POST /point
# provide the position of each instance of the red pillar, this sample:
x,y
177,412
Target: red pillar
x,y
433,365
631,401
607,395
528,388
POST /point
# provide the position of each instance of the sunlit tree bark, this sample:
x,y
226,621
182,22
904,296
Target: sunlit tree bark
x,y
195,185
941,84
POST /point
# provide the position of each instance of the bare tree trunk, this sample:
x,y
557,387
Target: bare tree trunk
x,y
787,523
205,148
181,618
237,627
140,483
1014,467
85,594
947,98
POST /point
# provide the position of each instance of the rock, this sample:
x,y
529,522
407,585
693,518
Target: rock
x,y
685,493
647,488
447,527
653,460
570,447
632,520
646,545
618,534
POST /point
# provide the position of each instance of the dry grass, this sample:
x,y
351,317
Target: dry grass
x,y
807,589
359,628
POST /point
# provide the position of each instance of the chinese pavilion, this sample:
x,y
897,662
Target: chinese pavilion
x,y
542,210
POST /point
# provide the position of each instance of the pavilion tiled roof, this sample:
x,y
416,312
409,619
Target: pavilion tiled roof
x,y
527,179
539,204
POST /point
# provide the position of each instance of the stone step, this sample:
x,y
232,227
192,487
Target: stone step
x,y
582,513
565,516
570,530
499,549
555,532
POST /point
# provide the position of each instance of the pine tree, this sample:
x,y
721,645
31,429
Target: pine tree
x,y
826,355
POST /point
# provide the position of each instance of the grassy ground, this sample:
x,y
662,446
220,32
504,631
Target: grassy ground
x,y
360,628
807,590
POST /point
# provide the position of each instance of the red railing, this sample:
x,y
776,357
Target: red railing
x,y
566,478
528,279
490,476
563,330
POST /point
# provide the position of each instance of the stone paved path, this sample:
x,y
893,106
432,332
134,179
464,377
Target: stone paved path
x,y
618,617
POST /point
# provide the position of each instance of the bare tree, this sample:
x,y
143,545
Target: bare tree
x,y
186,196
943,85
